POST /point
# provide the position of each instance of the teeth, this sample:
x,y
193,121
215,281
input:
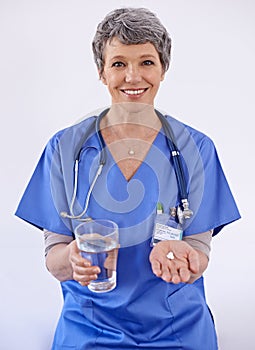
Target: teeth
x,y
134,92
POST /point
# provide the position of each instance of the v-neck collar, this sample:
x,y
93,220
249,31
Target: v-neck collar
x,y
140,167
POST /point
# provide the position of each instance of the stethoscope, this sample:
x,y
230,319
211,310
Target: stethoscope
x,y
183,210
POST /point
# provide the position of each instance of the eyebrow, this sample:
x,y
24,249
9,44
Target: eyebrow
x,y
120,57
148,56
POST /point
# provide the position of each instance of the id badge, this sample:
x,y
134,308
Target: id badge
x,y
165,228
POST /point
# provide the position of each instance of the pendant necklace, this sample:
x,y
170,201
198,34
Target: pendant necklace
x,y
133,145
131,152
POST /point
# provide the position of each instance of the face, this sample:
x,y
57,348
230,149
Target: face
x,y
132,73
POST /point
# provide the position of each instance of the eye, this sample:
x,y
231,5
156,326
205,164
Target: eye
x,y
148,63
118,64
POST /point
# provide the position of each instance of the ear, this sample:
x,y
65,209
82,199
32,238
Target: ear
x,y
163,75
102,77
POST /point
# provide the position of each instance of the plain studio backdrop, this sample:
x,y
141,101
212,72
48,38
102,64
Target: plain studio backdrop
x,y
48,81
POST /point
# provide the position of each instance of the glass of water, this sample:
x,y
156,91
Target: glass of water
x,y
98,241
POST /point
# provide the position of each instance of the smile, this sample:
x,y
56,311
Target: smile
x,y
134,92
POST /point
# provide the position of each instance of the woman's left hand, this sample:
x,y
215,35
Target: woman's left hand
x,y
184,264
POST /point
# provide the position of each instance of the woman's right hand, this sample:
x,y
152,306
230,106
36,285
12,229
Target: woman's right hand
x,y
83,272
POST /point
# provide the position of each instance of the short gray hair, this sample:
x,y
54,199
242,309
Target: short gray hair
x,y
132,26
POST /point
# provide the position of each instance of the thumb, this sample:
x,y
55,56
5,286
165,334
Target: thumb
x,y
193,259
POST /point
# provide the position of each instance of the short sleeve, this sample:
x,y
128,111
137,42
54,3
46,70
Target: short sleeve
x,y
217,206
38,205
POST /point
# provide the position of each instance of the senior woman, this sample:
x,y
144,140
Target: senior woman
x,y
159,300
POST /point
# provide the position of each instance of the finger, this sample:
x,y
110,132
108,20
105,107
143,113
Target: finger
x,y
176,279
184,274
168,271
84,279
111,260
171,272
75,256
193,261
93,270
84,284
79,261
74,248
156,268
80,275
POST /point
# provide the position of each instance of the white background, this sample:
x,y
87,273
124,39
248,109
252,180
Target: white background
x,y
48,80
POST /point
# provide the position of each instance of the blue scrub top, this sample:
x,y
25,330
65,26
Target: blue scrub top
x,y
143,311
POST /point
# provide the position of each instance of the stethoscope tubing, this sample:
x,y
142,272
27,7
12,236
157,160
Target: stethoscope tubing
x,y
175,154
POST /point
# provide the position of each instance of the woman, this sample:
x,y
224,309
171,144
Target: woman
x,y
159,301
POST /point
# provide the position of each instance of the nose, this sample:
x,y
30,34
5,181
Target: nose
x,y
133,74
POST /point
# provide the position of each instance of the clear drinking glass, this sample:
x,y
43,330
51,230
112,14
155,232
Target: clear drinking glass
x,y
98,241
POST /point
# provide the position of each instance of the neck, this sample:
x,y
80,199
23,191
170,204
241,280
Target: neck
x,y
131,120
